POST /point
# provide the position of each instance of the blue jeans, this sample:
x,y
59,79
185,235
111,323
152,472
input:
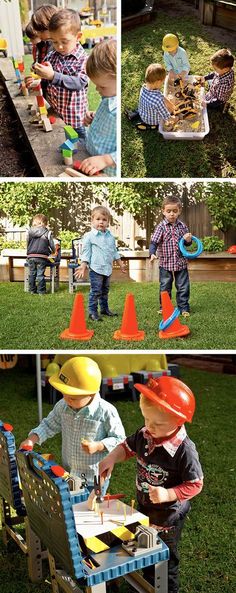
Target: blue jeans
x,y
81,131
37,266
182,286
99,290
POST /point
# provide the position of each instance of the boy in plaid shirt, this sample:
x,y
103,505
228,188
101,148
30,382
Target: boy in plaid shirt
x,y
67,81
37,31
89,425
221,81
172,264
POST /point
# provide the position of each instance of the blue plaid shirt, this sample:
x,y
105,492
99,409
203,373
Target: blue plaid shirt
x,y
99,251
178,62
151,106
99,421
101,134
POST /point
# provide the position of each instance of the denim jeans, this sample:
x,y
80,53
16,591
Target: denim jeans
x,y
182,286
81,131
37,267
175,520
99,289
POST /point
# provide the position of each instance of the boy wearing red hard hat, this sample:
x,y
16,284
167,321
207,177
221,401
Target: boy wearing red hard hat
x,y
169,473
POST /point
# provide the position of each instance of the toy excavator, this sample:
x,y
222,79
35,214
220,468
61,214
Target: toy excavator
x,y
187,96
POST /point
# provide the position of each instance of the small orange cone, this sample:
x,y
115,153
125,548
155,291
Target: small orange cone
x,y
176,329
129,326
77,329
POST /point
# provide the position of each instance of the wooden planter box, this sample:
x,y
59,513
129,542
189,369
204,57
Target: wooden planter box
x,y
220,13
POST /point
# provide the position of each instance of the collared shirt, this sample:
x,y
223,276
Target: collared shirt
x,y
168,464
221,87
178,62
99,421
70,103
165,240
151,106
101,134
99,251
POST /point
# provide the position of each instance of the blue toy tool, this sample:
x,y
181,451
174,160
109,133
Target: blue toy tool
x,y
189,254
164,324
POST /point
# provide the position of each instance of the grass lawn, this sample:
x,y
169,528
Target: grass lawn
x,y
147,154
33,322
207,547
93,96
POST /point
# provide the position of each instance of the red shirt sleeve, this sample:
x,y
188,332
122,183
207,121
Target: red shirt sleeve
x,y
127,450
188,490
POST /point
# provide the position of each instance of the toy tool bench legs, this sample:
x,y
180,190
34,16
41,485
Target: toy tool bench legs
x,y
11,499
86,550
53,277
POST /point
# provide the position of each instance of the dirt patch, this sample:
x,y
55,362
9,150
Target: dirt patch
x,y
16,160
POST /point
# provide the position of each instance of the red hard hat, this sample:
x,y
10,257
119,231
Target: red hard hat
x,y
172,395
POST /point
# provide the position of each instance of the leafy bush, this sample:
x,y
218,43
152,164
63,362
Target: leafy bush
x,y
66,238
213,244
4,244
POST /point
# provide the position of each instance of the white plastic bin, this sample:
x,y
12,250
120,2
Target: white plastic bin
x,y
179,134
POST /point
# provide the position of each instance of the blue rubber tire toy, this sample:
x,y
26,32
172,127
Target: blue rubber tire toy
x,y
165,324
189,254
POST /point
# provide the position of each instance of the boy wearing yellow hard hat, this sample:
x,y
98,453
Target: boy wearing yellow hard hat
x,y
175,57
90,426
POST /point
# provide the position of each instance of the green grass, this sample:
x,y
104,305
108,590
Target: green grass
x,y
93,96
208,541
147,154
33,322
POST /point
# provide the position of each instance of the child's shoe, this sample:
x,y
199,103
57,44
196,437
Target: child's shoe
x,y
94,317
185,314
109,313
132,115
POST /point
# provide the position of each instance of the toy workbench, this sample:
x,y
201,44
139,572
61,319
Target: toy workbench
x,y
73,534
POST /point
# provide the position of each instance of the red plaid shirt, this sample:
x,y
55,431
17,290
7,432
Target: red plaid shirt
x,y
221,87
71,105
165,240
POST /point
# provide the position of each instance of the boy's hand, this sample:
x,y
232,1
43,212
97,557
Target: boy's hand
x,y
89,118
122,267
80,273
44,71
91,447
169,105
28,442
187,237
152,258
158,494
94,164
106,467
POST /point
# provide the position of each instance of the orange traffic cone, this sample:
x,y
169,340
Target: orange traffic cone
x,y
77,329
175,329
129,327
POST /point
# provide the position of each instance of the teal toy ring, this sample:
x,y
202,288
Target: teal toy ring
x,y
188,254
164,324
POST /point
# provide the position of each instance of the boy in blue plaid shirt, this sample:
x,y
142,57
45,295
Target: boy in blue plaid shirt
x,y
89,425
101,135
172,264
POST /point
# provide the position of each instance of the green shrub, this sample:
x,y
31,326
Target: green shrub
x,y
66,238
4,244
213,244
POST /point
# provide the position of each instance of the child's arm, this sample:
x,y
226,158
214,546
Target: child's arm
x,y
183,491
107,464
94,164
122,265
169,105
85,257
156,238
187,238
114,434
75,82
49,426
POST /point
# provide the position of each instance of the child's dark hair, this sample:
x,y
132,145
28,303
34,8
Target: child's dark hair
x,y
40,219
103,211
41,17
154,73
223,59
102,59
65,18
30,31
171,200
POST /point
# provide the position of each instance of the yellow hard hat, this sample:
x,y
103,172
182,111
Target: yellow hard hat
x,y
78,376
170,42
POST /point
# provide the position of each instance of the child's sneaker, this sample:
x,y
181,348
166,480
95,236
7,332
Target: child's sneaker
x,y
185,314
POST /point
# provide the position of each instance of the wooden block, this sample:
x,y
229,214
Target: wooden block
x,y
63,175
43,110
74,173
40,101
46,124
33,110
67,153
68,160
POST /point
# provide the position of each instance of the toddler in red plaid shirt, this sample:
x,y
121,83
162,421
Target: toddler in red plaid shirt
x,y
67,81
172,264
37,31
